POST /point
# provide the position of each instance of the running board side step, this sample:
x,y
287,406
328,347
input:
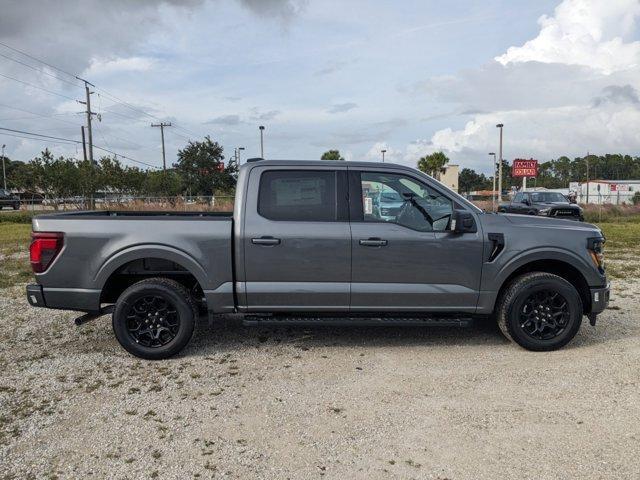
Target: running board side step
x,y
255,320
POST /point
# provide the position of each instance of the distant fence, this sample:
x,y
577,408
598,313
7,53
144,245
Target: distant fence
x,y
613,198
210,203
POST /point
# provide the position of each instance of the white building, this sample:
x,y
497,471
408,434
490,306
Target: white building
x,y
616,192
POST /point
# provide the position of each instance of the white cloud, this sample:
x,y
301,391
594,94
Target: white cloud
x,y
584,32
571,89
115,65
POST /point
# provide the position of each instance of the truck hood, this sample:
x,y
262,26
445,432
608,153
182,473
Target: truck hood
x,y
547,222
558,204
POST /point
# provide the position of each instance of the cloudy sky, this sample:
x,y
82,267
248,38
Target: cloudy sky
x,y
412,77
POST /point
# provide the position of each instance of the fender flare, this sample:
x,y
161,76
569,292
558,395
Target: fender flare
x,y
164,252
545,253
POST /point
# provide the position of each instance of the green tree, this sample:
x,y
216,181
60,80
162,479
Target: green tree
x,y
433,164
331,155
162,183
56,178
201,166
469,181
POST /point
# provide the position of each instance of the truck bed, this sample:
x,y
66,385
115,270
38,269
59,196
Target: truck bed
x,y
101,244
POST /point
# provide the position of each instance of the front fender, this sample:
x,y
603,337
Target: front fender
x,y
495,274
569,257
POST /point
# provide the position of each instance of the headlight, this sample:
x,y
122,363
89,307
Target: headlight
x,y
544,211
596,250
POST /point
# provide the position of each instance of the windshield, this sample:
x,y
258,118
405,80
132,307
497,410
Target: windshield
x,y
388,196
547,197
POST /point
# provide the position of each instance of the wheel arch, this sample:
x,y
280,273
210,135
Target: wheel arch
x,y
557,266
109,281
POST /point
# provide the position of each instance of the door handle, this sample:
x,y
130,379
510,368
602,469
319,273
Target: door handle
x,y
265,241
373,242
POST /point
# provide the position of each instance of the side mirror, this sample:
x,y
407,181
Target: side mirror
x,y
463,222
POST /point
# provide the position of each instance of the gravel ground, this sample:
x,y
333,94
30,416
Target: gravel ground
x,y
318,403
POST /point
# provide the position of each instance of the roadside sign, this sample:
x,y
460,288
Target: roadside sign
x,y
524,168
619,187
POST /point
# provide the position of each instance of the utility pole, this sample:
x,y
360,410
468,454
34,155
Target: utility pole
x,y
383,152
162,125
493,192
89,113
261,127
587,159
238,155
4,173
500,125
84,144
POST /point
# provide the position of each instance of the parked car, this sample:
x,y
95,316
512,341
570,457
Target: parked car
x,y
546,204
8,199
305,246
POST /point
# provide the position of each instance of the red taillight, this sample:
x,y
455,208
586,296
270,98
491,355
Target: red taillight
x,y
45,246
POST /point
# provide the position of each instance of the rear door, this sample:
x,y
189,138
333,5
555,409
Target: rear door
x,y
408,259
297,239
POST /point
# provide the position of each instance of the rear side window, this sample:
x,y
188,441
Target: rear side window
x,y
298,195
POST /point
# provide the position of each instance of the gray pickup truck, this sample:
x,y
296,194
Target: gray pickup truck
x,y
307,244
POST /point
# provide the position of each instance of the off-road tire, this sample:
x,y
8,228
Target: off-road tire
x,y
513,296
172,291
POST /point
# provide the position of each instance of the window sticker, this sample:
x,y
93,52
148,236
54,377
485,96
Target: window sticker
x,y
368,205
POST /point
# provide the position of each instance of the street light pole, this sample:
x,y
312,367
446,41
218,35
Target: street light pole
x,y
383,152
500,125
493,192
261,127
239,150
4,173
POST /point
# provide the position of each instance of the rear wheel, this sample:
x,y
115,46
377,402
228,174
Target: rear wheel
x,y
540,311
154,318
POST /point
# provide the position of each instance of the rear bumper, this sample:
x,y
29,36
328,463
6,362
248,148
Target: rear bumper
x,y
599,299
81,299
35,296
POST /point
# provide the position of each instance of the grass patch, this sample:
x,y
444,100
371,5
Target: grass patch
x,y
20,216
621,235
14,259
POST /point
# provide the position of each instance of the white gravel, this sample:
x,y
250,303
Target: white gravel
x,y
318,403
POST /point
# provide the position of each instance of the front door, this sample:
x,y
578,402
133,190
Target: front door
x,y
405,258
297,240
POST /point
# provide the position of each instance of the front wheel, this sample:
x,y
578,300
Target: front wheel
x,y
155,318
540,311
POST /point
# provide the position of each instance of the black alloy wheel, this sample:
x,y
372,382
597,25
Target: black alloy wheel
x,y
539,311
155,318
153,321
544,315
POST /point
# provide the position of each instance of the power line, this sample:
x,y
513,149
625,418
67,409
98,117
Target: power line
x,y
36,86
75,77
38,70
39,135
56,142
37,59
51,116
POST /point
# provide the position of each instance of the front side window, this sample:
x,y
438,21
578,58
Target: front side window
x,y
518,198
395,198
298,195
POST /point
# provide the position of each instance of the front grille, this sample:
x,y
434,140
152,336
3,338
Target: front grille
x,y
564,212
